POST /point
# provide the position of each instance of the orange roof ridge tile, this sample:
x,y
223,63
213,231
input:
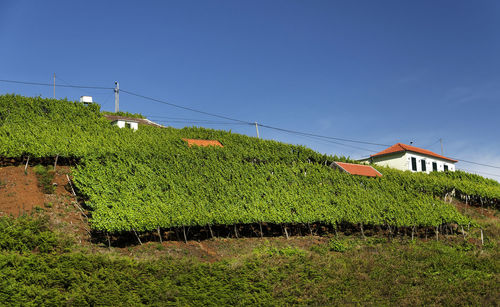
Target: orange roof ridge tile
x,y
399,147
203,143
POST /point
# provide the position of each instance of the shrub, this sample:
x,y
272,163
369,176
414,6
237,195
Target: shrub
x,y
336,246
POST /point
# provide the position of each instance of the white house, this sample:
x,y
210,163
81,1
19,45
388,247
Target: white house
x,y
126,123
406,157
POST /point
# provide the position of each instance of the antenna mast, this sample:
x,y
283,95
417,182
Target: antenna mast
x,y
117,96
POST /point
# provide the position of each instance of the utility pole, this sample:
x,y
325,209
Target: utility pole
x,y
441,141
257,129
117,96
54,85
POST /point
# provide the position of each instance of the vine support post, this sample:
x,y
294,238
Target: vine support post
x,y
463,232
235,231
211,232
286,232
26,167
137,236
412,231
55,162
437,233
362,231
185,236
482,238
261,232
159,234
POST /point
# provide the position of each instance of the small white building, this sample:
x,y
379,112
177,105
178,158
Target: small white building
x,y
130,122
126,123
406,157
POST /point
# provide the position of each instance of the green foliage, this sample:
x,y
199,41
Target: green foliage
x,y
426,273
456,183
45,176
126,114
28,233
336,245
288,251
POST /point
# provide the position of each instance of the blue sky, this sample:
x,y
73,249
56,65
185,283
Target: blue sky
x,y
377,71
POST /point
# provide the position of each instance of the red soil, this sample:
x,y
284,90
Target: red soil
x,y
19,192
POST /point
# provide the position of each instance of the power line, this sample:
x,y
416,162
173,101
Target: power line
x,y
321,136
432,144
184,108
471,171
57,85
487,165
198,122
165,118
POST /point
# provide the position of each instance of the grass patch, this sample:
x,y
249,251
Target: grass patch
x,y
28,233
45,176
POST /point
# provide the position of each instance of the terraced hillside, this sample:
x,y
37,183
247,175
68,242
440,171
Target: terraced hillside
x,y
151,179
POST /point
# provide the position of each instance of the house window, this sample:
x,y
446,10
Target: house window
x,y
127,125
445,168
414,164
422,163
434,167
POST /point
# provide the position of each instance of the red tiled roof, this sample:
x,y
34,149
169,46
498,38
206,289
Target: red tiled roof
x,y
203,143
357,169
399,147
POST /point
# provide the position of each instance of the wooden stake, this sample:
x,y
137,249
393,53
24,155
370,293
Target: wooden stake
x,y
310,230
482,239
26,167
211,233
412,230
463,232
138,239
159,234
286,232
55,162
261,232
185,237
362,231
437,233
235,231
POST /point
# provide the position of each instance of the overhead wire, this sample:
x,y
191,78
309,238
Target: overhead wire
x,y
182,107
477,163
57,85
478,172
321,136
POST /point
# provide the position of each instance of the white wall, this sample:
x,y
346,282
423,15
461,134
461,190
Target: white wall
x,y
121,124
395,160
428,162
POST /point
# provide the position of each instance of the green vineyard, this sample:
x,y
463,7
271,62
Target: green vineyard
x,y
150,178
